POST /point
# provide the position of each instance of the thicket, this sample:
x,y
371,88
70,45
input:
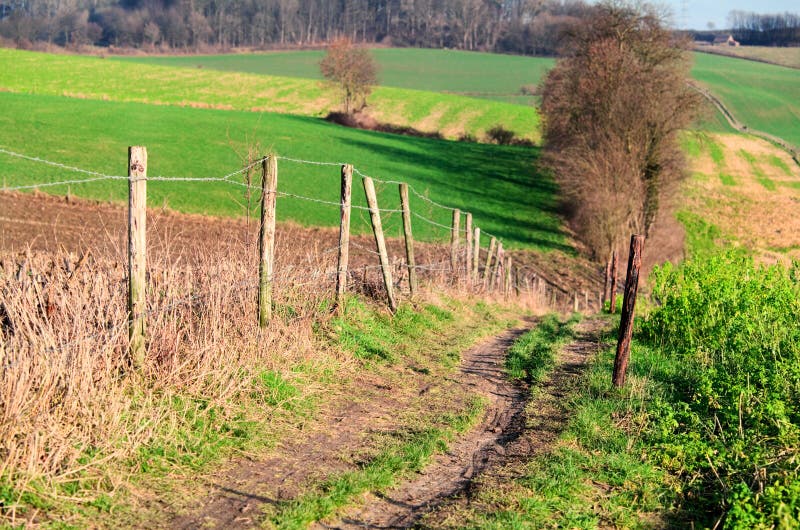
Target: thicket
x,y
731,428
613,108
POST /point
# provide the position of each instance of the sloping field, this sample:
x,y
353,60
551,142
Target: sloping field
x,y
493,76
742,192
499,185
96,78
762,96
784,56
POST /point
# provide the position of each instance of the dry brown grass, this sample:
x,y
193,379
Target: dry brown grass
x,y
752,196
73,411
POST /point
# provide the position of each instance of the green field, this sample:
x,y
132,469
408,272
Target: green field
x,y
493,76
499,185
762,96
96,78
784,56
765,97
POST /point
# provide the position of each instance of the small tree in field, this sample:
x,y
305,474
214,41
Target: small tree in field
x,y
353,69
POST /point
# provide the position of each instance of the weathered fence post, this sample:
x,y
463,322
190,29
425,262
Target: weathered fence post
x,y
468,264
628,306
497,268
507,279
380,242
454,241
612,296
517,286
266,238
137,253
575,304
405,205
487,270
344,235
476,255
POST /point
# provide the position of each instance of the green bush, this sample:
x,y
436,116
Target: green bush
x,y
736,424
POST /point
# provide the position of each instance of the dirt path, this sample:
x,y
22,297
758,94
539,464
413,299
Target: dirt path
x,y
483,371
511,431
540,425
235,497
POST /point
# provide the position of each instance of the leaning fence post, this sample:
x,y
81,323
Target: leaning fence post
x,y
468,264
405,205
344,235
628,306
612,296
476,255
266,240
454,241
137,252
380,242
487,270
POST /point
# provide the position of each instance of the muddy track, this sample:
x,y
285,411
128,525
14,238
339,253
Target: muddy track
x,y
235,498
482,369
510,432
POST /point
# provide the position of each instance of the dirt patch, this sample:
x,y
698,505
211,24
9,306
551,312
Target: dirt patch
x,y
376,405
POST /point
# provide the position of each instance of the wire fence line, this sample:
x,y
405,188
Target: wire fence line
x,y
456,265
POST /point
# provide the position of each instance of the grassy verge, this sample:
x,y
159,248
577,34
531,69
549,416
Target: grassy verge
x,y
533,355
705,432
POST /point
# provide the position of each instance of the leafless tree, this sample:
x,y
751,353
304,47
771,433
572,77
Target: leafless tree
x,y
613,107
353,69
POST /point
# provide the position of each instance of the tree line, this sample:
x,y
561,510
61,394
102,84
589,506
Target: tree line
x,y
782,29
513,26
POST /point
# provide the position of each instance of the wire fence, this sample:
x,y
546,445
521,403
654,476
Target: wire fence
x,y
457,269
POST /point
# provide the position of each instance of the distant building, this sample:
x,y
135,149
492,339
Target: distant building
x,y
722,40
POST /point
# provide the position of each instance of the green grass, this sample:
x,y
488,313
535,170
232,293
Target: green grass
x,y
532,355
499,185
727,180
497,77
407,453
762,96
100,79
777,162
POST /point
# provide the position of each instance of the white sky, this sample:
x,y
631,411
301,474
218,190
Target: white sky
x,y
696,14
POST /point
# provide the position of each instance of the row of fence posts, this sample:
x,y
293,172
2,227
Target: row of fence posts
x,y
498,272
495,270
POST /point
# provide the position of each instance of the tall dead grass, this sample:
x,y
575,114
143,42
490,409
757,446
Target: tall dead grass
x,y
71,408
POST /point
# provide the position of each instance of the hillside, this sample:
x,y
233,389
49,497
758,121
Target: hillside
x,y
486,75
96,78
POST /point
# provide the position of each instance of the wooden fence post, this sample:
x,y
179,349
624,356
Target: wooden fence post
x,y
517,286
487,270
468,264
344,235
497,267
507,278
575,304
612,296
137,253
266,238
628,306
454,241
380,242
410,262
476,255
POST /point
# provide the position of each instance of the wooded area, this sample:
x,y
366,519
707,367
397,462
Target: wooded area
x,y
518,26
752,29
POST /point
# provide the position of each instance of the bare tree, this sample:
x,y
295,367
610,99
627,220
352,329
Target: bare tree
x,y
613,108
353,69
